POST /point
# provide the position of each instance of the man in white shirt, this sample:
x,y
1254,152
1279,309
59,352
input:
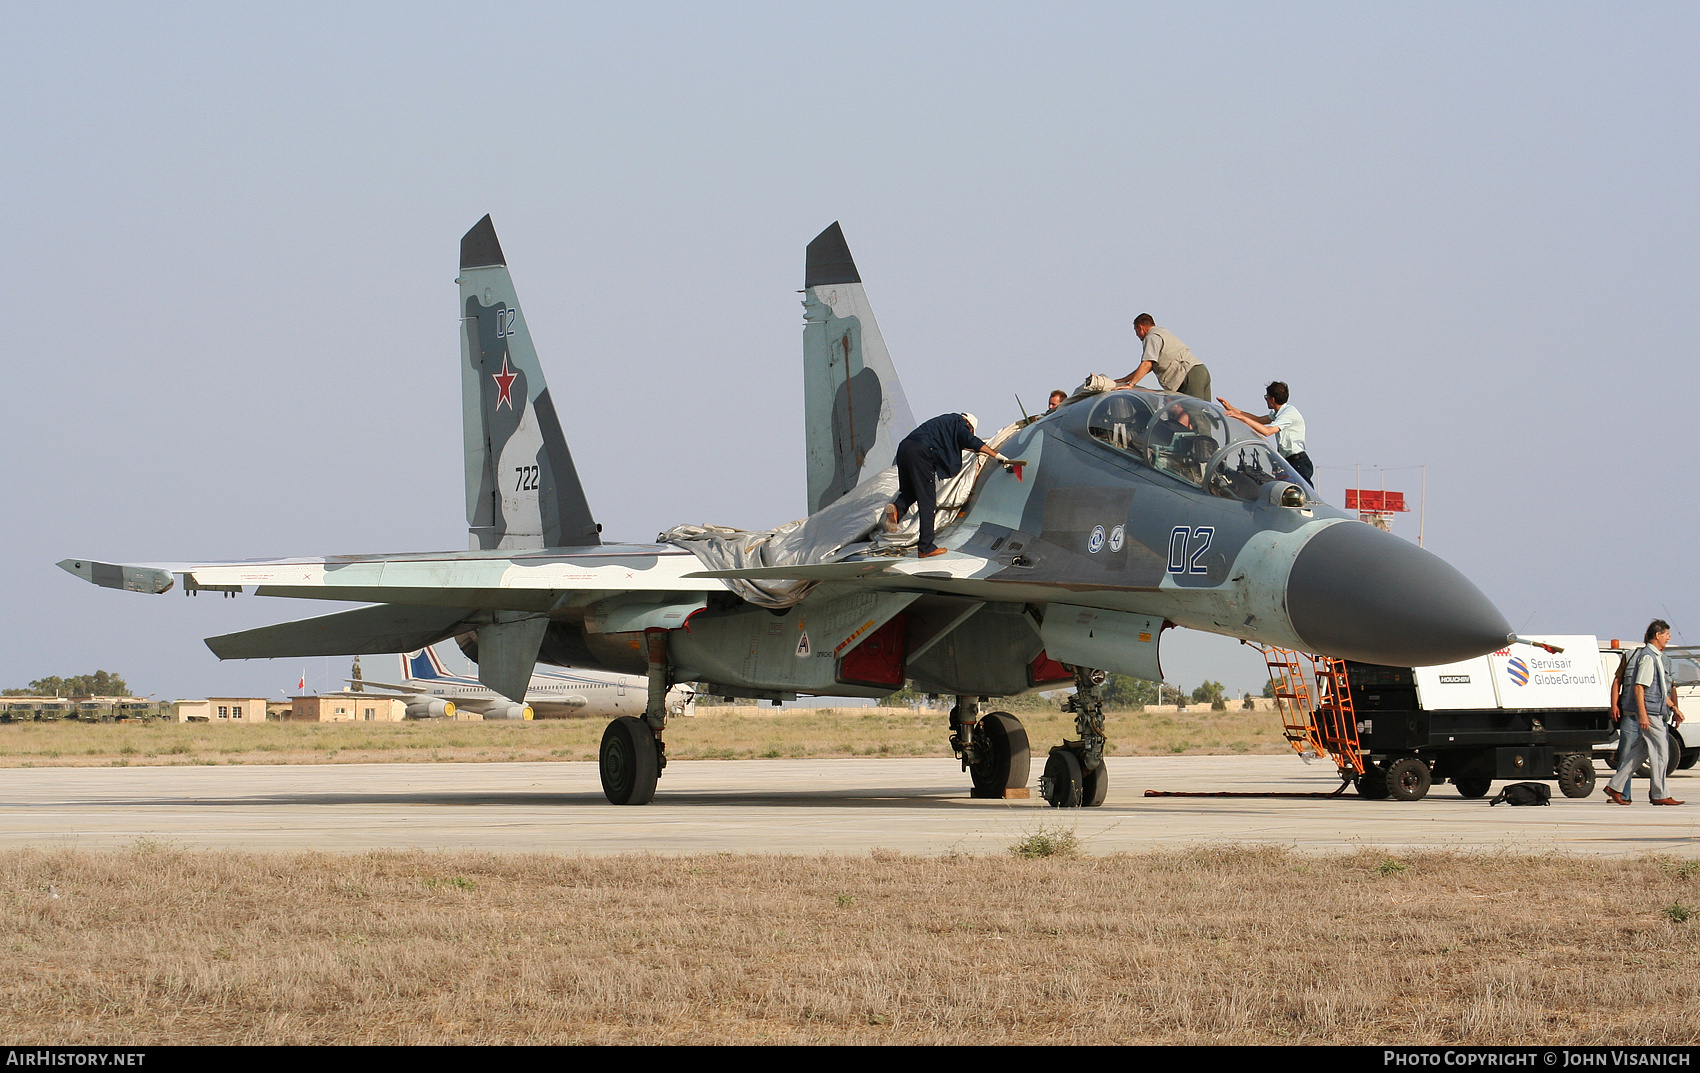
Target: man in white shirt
x,y
1177,369
1285,423
1646,706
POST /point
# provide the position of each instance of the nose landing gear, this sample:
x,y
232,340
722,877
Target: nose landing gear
x,y
1075,773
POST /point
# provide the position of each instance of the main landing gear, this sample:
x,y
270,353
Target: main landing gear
x,y
633,755
993,749
1075,773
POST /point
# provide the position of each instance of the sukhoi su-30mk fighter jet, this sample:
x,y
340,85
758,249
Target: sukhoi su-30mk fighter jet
x,y
1134,511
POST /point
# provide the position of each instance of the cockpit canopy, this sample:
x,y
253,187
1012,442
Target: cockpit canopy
x,y
1173,434
1188,439
1184,436
1245,467
1121,419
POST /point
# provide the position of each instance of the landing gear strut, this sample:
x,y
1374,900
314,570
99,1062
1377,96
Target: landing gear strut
x,y
1075,773
993,749
633,755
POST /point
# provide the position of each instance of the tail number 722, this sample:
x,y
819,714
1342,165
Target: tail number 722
x,y
527,479
1187,546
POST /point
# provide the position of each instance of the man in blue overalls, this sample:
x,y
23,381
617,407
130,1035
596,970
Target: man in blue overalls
x,y
1644,703
932,451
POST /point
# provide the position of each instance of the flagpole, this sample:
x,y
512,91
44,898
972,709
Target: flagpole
x,y
1422,511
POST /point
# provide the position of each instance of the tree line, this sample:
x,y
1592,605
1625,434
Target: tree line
x,y
1123,691
98,684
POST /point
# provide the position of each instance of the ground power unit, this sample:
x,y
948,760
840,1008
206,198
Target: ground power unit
x,y
1525,712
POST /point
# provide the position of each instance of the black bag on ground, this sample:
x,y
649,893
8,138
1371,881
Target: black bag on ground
x,y
1524,793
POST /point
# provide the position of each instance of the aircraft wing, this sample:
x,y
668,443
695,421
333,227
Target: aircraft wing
x,y
413,690
816,572
512,579
491,580
505,595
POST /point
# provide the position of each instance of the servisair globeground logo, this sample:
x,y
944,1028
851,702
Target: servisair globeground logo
x,y
1543,673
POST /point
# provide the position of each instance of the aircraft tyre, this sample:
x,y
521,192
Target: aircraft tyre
x,y
629,761
1408,779
1095,785
1576,775
1063,783
1005,758
1473,788
1690,757
1372,784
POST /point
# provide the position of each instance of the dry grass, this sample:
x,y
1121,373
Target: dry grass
x,y
1239,946
714,734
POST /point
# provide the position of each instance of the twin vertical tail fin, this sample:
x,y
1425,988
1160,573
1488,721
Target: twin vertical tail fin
x,y
854,410
521,488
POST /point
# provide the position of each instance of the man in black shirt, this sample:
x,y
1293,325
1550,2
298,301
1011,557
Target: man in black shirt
x,y
932,451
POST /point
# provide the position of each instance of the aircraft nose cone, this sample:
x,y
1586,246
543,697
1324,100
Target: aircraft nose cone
x,y
1358,593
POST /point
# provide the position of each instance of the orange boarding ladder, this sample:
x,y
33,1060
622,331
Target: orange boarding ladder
x,y
1326,726
1292,698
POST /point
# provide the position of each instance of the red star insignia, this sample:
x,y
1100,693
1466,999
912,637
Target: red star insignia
x,y
504,385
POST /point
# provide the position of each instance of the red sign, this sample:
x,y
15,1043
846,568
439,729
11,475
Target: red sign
x,y
1375,501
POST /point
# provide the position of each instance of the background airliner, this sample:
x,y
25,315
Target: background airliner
x,y
550,695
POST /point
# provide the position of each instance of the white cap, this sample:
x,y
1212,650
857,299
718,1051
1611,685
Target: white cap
x,y
973,422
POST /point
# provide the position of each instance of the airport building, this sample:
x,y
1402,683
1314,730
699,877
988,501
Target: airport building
x,y
343,708
225,710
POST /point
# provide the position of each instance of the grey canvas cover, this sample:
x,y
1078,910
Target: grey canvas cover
x,y
848,527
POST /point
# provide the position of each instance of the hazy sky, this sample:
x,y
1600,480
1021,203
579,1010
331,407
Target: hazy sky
x,y
1465,234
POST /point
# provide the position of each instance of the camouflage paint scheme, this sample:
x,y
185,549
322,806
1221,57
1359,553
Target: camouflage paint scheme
x,y
853,406
1086,556
521,488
